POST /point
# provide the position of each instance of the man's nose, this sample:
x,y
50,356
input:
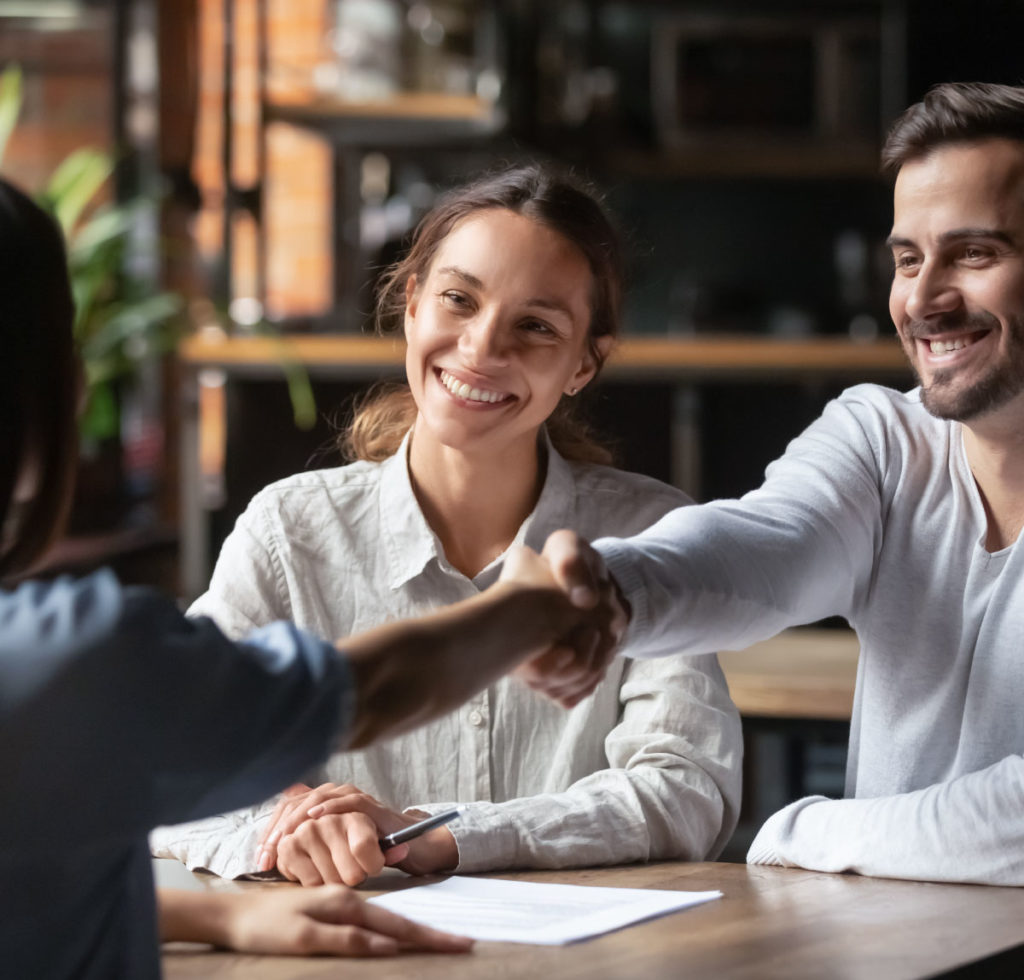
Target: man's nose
x,y
933,291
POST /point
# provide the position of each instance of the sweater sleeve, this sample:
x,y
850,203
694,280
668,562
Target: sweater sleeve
x,y
726,574
114,698
967,829
671,789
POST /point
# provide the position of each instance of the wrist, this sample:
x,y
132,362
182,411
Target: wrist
x,y
440,851
194,917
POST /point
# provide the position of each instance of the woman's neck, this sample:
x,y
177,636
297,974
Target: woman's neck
x,y
474,502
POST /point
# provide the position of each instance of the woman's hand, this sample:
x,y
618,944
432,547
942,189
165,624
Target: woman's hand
x,y
296,921
332,833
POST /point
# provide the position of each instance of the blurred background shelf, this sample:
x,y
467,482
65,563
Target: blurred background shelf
x,y
407,118
673,358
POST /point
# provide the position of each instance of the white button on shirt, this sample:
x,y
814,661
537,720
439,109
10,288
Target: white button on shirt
x,y
646,768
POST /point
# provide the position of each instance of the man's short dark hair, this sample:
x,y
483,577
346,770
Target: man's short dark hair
x,y
954,112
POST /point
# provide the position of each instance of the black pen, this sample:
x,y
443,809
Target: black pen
x,y
414,830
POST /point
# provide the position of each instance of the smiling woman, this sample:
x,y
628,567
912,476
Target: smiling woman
x,y
509,300
556,211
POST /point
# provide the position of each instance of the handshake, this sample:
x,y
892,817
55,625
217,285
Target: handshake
x,y
555,618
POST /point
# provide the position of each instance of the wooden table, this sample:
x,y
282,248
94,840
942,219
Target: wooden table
x,y
771,922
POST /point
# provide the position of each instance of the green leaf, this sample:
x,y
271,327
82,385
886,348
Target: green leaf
x,y
105,228
99,421
300,390
143,322
75,183
10,104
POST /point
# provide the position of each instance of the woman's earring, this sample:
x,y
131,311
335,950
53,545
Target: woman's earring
x,y
572,391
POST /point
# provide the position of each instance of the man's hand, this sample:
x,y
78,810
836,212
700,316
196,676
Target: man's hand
x,y
331,834
570,670
284,920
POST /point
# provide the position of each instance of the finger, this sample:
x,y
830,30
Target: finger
x,y
411,935
396,855
362,840
295,865
336,834
351,803
283,805
322,855
576,567
343,940
292,800
297,812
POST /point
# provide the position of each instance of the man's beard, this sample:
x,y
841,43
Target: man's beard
x,y
1003,381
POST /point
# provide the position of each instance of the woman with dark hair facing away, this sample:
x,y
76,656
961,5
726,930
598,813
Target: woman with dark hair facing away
x,y
117,713
509,300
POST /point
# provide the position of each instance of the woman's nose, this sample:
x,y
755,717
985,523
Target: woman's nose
x,y
483,340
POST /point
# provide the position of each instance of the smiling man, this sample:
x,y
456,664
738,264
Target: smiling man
x,y
901,512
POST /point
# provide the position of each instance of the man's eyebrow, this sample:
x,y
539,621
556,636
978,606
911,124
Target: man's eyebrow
x,y
956,235
894,241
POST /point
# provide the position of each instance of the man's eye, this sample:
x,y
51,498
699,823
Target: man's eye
x,y
538,327
905,261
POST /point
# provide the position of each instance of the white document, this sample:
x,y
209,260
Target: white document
x,y
528,912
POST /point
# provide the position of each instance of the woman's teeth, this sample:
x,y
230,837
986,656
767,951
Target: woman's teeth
x,y
462,390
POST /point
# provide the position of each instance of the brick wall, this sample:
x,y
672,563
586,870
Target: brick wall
x,y
297,220
68,94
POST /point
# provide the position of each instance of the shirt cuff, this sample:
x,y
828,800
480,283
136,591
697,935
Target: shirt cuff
x,y
482,842
776,838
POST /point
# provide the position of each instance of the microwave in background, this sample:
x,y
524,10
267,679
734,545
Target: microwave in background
x,y
787,79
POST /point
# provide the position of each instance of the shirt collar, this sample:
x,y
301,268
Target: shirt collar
x,y
555,508
411,543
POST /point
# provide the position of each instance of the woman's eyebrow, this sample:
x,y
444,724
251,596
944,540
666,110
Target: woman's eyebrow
x,y
467,277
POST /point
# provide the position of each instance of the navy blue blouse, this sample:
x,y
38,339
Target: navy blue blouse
x,y
118,714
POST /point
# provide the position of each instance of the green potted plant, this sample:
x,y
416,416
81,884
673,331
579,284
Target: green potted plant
x,y
121,322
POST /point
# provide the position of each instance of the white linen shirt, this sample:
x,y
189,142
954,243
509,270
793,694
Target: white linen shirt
x,y
646,768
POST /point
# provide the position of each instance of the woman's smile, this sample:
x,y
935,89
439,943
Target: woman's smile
x,y
469,391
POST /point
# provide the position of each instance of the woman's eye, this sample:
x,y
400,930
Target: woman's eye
x,y
538,327
454,299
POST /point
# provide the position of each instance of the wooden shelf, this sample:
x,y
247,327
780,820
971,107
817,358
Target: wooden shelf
x,y
669,358
801,673
406,118
750,160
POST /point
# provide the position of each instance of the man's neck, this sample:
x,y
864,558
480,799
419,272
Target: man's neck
x,y
995,452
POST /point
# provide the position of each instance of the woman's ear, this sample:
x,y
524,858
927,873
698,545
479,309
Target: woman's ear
x,y
589,364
